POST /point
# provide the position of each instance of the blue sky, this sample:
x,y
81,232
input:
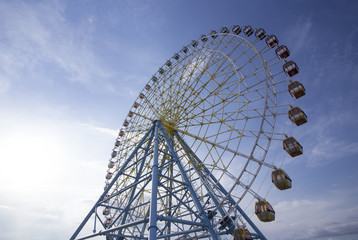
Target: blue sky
x,y
70,70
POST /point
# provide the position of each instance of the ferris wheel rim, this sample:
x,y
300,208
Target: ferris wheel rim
x,y
249,158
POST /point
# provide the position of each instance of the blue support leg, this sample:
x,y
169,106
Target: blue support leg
x,y
153,203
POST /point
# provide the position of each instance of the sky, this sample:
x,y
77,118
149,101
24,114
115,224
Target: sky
x,y
70,70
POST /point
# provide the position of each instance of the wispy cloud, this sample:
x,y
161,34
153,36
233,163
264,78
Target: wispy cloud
x,y
38,41
331,149
300,34
6,207
303,219
324,142
109,131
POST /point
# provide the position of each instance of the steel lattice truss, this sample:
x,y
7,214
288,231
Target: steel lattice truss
x,y
174,208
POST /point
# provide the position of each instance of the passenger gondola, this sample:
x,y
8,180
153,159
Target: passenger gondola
x,y
224,30
248,30
260,33
176,56
110,164
236,29
194,43
292,147
242,234
282,52
264,211
281,180
109,175
296,89
106,211
203,38
213,34
271,41
290,68
297,116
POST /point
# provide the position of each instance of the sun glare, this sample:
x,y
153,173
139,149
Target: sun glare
x,y
30,159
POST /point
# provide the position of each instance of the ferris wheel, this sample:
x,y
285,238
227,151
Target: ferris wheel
x,y
196,139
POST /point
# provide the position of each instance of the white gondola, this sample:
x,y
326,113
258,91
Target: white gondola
x,y
296,89
203,38
130,114
271,41
110,164
121,133
282,52
108,222
154,79
292,147
114,154
136,105
117,143
185,49
194,43
213,34
297,116
224,30
147,87
161,70
105,211
248,30
176,56
236,29
290,68
260,33
168,63
109,175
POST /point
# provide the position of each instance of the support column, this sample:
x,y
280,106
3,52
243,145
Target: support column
x,y
153,203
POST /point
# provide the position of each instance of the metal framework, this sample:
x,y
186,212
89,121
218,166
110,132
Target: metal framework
x,y
225,94
165,153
